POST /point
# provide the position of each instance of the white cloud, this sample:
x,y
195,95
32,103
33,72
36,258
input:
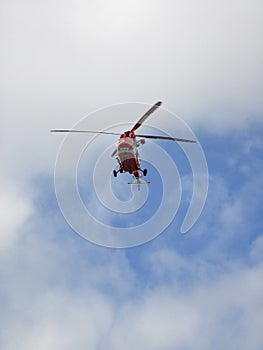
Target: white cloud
x,y
252,144
65,59
58,320
223,313
15,210
62,60
232,215
64,294
256,251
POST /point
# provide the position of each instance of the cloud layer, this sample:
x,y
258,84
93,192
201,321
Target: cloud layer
x,y
60,61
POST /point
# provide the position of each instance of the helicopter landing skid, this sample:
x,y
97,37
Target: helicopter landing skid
x,y
139,183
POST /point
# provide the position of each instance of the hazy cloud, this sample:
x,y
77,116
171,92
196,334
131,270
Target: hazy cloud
x,y
61,60
15,210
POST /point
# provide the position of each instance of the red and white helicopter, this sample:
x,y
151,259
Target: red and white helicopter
x,y
126,152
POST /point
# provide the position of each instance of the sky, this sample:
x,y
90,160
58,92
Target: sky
x,y
60,62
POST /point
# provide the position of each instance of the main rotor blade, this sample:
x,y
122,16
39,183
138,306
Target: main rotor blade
x,y
165,138
146,115
86,131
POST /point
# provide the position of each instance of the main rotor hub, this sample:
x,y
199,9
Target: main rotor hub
x,y
129,134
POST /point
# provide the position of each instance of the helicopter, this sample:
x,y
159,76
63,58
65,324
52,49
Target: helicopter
x,y
126,152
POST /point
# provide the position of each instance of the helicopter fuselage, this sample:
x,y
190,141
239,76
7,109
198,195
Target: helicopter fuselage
x,y
127,156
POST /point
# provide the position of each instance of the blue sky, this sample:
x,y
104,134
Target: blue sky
x,y
62,61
